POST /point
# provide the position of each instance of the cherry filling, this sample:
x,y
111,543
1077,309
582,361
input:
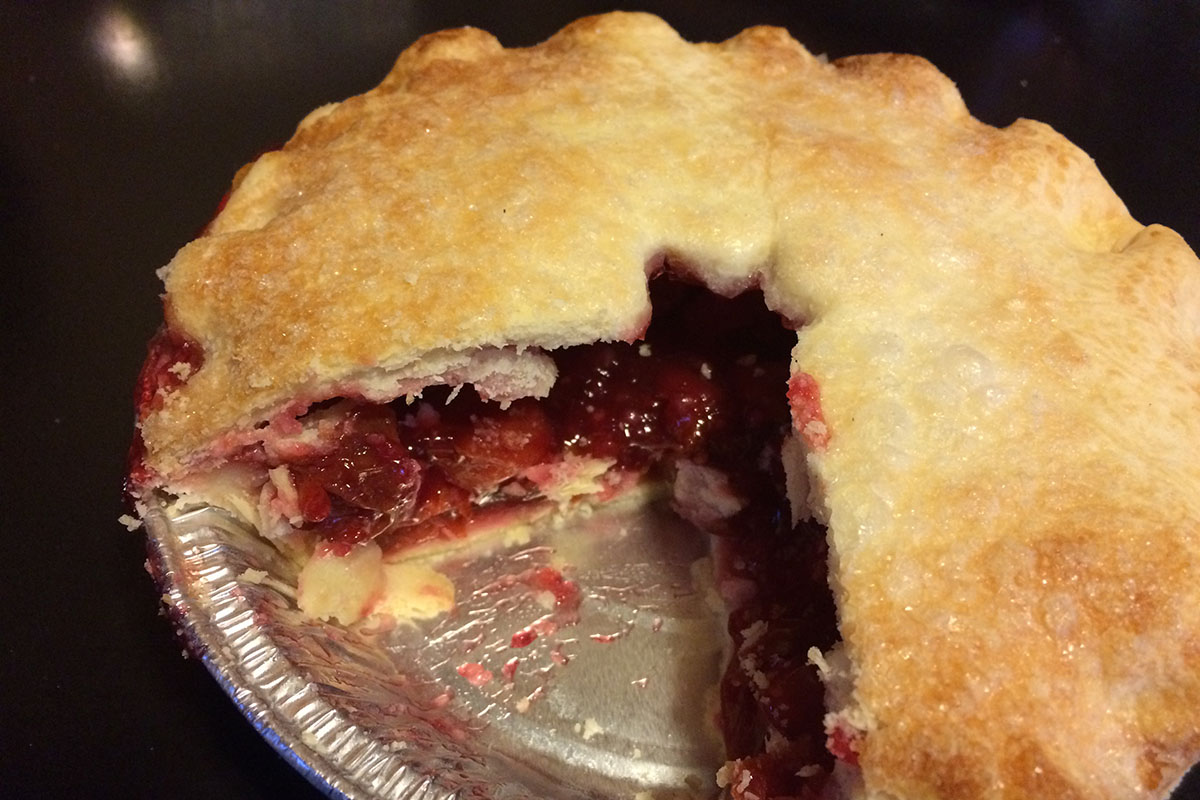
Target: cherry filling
x,y
705,388
769,684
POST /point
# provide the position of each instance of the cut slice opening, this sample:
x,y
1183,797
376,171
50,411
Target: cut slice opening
x,y
700,404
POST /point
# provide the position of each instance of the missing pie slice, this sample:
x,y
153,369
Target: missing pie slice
x,y
809,297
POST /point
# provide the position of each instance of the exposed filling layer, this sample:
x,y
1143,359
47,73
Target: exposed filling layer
x,y
700,404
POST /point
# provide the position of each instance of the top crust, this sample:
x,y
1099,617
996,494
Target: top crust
x,y
1008,364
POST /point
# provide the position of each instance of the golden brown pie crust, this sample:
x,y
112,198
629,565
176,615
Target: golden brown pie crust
x,y
1008,364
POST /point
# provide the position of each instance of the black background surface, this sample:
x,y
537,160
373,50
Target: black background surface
x,y
111,160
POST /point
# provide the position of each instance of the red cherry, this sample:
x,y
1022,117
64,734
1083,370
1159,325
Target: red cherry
x,y
500,445
313,500
171,359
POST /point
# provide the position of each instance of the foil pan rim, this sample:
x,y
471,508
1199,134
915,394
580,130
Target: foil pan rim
x,y
197,572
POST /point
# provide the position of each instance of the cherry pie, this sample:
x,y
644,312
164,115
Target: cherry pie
x,y
932,389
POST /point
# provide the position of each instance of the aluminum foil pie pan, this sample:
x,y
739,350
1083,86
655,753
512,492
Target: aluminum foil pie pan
x,y
504,695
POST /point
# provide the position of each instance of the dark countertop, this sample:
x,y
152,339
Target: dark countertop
x,y
121,127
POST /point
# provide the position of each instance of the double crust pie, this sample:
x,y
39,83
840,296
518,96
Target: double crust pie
x,y
932,390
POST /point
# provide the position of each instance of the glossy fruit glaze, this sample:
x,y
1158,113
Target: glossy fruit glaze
x,y
707,384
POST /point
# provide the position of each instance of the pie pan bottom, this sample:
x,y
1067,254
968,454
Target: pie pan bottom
x,y
617,701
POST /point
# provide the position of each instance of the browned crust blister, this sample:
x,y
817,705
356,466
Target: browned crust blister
x,y
1009,365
